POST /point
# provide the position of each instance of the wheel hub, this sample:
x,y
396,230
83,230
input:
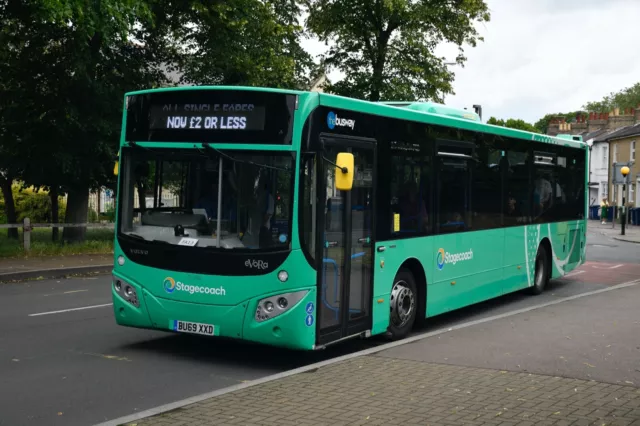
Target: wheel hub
x,y
403,303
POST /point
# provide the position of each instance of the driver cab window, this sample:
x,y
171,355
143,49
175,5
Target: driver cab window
x,y
175,194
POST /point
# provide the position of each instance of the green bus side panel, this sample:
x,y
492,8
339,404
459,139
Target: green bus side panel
x,y
466,268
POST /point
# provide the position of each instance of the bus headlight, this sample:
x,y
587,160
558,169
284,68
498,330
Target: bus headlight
x,y
273,306
126,291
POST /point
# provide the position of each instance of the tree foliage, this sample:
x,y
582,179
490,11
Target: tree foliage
x,y
628,97
70,64
66,64
240,42
385,48
513,124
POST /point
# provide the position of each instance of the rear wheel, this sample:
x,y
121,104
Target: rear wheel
x,y
403,305
541,275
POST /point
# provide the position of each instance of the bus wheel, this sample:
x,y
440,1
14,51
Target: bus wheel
x,y
541,276
403,305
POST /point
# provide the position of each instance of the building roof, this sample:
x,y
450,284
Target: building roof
x,y
590,135
626,132
605,137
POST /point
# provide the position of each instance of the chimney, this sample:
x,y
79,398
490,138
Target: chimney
x,y
637,114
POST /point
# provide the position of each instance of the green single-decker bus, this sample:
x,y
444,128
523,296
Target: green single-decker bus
x,y
301,219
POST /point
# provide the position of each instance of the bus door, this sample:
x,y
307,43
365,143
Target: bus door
x,y
345,242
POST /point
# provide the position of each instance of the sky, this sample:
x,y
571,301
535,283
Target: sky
x,y
544,56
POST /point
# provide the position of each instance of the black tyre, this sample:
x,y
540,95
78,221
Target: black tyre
x,y
403,305
541,272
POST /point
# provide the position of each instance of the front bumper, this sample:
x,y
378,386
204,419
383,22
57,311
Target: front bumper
x,y
292,329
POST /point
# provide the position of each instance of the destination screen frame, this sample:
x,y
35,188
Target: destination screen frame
x,y
222,116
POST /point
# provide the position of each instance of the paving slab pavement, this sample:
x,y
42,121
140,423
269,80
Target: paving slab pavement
x,y
572,363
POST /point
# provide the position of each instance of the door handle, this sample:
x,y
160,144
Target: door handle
x,y
381,249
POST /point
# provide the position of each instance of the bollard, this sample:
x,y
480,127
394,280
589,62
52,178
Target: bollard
x,y
26,233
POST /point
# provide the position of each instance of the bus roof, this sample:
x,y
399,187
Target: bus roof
x,y
420,111
435,108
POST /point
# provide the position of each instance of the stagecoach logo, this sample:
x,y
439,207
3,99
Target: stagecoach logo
x,y
170,285
440,259
334,121
259,264
446,257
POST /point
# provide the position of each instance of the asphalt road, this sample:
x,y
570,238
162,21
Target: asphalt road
x,y
605,249
78,367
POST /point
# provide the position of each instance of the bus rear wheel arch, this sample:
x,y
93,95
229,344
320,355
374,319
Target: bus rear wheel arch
x,y
406,300
542,268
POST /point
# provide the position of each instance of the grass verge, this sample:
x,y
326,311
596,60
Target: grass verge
x,y
98,241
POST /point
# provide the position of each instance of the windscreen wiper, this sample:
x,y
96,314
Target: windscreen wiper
x,y
208,147
136,236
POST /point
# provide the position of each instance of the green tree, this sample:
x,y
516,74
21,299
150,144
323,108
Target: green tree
x,y
241,42
386,48
15,108
513,123
75,60
628,97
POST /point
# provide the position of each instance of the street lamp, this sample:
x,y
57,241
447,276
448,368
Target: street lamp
x,y
625,171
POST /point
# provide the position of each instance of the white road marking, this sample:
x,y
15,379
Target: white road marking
x,y
66,292
70,310
571,274
607,267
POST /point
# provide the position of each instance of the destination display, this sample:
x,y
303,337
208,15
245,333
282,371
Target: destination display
x,y
207,116
224,116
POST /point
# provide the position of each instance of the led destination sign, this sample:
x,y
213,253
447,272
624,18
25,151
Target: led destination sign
x,y
207,116
225,116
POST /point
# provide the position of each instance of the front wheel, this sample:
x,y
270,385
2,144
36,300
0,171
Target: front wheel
x,y
541,276
403,305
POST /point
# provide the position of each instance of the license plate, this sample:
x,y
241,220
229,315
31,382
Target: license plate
x,y
193,328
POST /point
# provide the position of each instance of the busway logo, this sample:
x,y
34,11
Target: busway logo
x,y
170,285
453,258
334,121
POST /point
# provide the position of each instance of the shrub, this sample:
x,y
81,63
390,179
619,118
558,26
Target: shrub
x,y
36,205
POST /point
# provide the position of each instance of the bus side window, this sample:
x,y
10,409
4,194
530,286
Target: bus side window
x,y
453,195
